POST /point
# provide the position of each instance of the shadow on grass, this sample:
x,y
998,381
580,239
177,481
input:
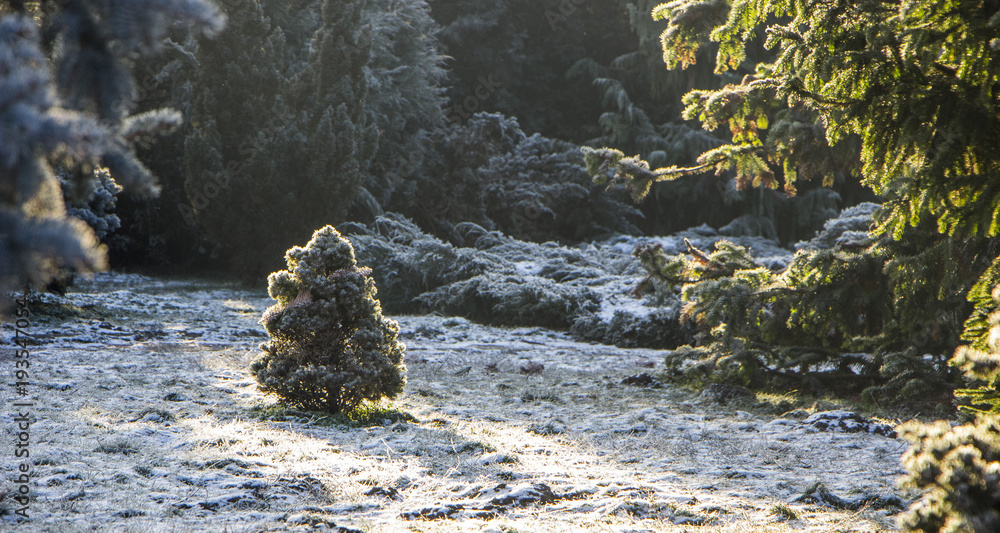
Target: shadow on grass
x,y
365,415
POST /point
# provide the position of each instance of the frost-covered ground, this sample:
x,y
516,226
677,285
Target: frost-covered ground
x,y
144,422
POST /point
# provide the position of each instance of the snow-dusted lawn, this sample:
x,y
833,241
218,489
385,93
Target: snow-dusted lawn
x,y
145,423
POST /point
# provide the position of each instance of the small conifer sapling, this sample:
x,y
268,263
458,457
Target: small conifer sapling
x,y
330,348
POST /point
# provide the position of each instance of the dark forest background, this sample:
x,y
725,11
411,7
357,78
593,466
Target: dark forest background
x,y
455,112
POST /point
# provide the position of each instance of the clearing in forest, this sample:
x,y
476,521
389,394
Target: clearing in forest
x,y
148,420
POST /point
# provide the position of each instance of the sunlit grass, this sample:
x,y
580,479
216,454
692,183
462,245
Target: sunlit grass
x,y
784,512
240,306
779,403
450,434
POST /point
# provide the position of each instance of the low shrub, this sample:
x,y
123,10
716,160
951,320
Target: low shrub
x,y
515,300
848,314
959,470
330,348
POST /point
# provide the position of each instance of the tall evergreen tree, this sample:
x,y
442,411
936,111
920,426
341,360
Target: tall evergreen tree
x,y
258,132
405,96
281,140
911,87
66,95
795,133
848,78
641,113
513,56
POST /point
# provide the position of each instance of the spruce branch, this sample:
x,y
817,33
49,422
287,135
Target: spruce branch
x,y
796,87
609,166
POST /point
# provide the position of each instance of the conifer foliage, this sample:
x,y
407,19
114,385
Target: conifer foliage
x,y
313,110
488,172
96,206
851,311
278,127
405,95
909,83
66,96
330,347
959,467
909,86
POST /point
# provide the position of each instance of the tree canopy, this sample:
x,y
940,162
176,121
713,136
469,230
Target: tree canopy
x,y
902,93
67,100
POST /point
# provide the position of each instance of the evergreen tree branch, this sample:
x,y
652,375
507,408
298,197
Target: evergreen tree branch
x,y
609,166
796,87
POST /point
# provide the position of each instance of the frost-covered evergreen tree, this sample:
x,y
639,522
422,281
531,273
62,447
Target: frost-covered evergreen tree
x,y
96,205
851,311
405,95
281,140
66,96
540,192
317,110
330,348
489,173
403,100
445,188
